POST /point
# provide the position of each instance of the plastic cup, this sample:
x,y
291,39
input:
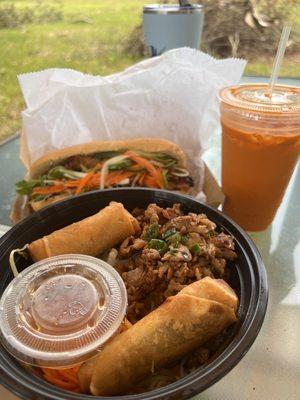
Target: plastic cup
x,y
260,148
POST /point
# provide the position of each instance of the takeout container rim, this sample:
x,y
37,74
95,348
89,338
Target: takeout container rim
x,y
138,189
163,9
216,369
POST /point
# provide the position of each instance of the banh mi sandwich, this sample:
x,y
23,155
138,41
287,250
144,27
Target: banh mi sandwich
x,y
153,163
181,324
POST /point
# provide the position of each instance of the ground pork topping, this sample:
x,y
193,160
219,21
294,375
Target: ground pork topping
x,y
173,250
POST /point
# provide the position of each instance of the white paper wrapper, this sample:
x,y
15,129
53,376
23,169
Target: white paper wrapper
x,y
173,96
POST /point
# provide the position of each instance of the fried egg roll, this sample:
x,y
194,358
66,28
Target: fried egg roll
x,y
180,325
87,368
91,236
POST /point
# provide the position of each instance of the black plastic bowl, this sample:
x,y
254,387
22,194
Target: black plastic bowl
x,y
248,279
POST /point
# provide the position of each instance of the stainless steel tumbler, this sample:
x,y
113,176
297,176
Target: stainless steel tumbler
x,y
169,26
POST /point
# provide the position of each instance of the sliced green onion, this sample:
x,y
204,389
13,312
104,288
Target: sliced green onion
x,y
174,240
173,251
168,233
159,245
184,239
196,249
152,231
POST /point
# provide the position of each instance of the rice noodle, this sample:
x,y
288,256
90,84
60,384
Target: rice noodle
x,y
12,263
112,257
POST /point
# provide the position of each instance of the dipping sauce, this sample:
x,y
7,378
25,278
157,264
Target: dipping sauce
x,y
260,148
60,311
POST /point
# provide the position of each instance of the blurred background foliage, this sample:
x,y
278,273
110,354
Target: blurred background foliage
x,y
102,37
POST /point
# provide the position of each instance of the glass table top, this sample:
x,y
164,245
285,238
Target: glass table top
x,y
271,368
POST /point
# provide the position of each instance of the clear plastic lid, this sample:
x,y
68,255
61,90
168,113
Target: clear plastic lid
x,y
255,97
60,311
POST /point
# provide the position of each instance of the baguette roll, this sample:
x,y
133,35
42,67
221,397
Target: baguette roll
x,y
51,159
41,188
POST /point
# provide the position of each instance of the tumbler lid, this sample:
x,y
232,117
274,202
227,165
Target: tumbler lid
x,y
172,8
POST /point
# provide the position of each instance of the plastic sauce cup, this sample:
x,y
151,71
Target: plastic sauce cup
x,y
60,311
260,148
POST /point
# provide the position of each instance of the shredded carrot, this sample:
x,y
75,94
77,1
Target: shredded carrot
x,y
145,164
91,179
67,378
72,184
120,176
110,176
94,182
150,182
48,189
135,168
84,181
142,162
64,378
141,179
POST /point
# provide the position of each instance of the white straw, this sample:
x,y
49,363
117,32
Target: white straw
x,y
279,56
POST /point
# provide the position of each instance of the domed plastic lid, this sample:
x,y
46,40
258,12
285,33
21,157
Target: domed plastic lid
x,y
59,311
255,97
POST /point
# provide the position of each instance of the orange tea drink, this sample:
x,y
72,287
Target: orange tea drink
x,y
260,148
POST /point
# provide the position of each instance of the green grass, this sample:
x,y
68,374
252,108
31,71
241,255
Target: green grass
x,y
93,47
89,38
290,67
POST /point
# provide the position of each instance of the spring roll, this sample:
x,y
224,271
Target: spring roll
x,y
180,325
87,368
91,236
213,289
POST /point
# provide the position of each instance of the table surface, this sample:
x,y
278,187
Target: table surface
x,y
271,368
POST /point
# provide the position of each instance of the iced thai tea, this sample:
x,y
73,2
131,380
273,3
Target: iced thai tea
x,y
260,148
